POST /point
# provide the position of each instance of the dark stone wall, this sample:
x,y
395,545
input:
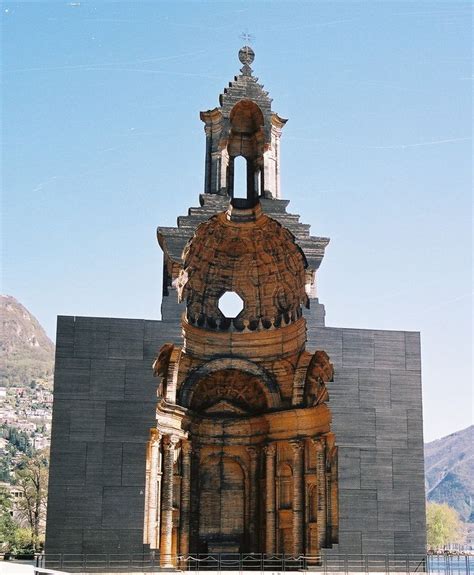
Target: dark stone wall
x,y
104,406
104,400
378,422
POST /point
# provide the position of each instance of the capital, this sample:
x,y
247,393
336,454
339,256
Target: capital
x,y
155,436
318,443
253,452
169,442
186,447
296,445
270,449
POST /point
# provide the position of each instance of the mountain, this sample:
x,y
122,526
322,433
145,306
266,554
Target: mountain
x,y
27,352
449,471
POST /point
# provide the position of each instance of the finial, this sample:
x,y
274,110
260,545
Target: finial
x,y
246,54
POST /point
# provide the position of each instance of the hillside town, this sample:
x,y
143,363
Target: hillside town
x,y
25,419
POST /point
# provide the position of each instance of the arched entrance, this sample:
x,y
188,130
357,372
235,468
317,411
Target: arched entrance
x,y
222,517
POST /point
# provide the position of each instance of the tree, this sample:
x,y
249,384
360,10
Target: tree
x,y
31,478
443,525
7,525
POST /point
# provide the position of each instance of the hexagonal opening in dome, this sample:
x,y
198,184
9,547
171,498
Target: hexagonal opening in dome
x,y
230,304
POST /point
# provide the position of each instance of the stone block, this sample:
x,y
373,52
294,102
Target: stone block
x,y
91,337
408,468
126,338
94,463
123,506
344,390
393,512
391,427
65,327
415,428
139,381
107,379
171,309
129,422
315,316
157,333
59,541
71,377
56,502
349,468
357,508
61,421
133,470
377,543
374,388
83,507
413,351
376,468
417,510
87,420
112,463
405,388
118,544
389,349
354,427
358,348
410,543
68,463
350,542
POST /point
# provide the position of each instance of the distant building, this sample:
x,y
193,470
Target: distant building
x,y
16,496
236,445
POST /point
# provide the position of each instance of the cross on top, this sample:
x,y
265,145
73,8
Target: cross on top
x,y
246,37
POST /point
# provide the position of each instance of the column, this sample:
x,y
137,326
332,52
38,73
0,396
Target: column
x,y
253,489
319,444
185,497
153,495
194,505
146,515
298,497
270,451
169,443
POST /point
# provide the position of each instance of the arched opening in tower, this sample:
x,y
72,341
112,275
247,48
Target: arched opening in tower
x,y
246,141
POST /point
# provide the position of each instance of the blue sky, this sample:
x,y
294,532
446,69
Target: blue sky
x,y
102,143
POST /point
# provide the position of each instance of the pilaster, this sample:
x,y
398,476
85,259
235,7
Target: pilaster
x,y
298,496
169,442
185,497
253,489
320,447
153,523
270,539
194,503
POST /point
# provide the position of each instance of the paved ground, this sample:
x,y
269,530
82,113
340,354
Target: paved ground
x,y
16,567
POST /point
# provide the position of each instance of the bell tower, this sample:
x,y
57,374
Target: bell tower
x,y
244,126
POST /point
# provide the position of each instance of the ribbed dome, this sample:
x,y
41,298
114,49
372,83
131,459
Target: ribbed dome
x,y
248,253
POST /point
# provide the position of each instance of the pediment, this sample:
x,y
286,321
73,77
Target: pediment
x,y
224,406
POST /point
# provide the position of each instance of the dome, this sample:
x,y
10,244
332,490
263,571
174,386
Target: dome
x,y
247,254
